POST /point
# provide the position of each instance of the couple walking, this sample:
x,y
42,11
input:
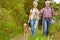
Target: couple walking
x,y
47,12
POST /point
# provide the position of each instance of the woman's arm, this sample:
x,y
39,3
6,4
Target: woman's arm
x,y
29,17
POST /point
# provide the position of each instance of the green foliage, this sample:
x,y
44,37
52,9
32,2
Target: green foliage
x,y
41,4
56,8
28,4
14,13
12,18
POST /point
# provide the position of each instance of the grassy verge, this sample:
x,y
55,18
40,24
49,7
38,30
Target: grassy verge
x,y
53,33
7,34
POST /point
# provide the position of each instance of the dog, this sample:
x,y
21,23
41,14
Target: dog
x,y
27,31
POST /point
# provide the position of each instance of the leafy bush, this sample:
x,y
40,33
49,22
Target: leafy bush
x,y
12,18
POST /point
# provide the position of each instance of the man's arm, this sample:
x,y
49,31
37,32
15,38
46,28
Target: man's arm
x,y
54,13
41,11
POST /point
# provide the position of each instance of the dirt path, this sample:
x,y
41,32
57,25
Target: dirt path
x,y
19,37
55,36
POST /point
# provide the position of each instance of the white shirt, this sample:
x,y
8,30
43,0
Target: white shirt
x,y
33,11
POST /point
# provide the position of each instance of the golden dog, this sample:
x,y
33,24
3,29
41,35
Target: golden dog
x,y
27,31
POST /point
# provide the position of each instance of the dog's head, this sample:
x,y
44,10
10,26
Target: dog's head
x,y
25,25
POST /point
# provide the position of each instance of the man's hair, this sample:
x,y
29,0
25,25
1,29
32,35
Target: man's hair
x,y
47,2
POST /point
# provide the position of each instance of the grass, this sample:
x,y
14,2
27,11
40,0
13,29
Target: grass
x,y
6,34
39,36
54,28
19,30
3,36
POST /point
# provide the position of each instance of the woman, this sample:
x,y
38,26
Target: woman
x,y
33,17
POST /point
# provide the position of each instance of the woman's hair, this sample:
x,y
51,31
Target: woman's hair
x,y
35,2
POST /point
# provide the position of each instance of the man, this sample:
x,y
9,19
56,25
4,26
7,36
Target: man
x,y
33,17
47,13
